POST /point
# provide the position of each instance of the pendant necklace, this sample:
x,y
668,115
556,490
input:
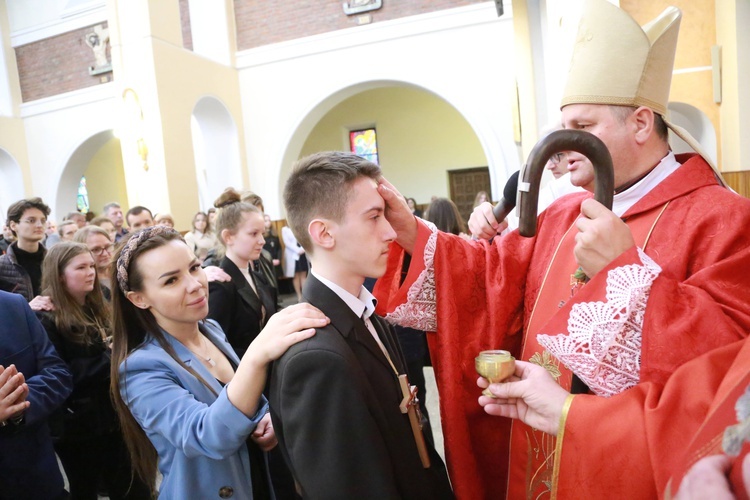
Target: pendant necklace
x,y
207,359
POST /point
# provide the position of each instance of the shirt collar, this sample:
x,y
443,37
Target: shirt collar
x,y
363,306
623,201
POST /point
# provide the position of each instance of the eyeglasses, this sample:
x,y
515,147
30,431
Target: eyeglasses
x,y
33,221
557,157
100,250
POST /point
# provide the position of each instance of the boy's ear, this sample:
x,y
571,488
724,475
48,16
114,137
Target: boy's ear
x,y
318,229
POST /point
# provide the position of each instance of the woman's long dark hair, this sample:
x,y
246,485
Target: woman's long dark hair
x,y
130,328
75,322
444,214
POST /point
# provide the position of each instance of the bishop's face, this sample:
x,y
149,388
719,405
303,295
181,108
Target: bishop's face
x,y
619,137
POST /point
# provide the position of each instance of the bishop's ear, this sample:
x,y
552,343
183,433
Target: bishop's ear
x,y
320,234
138,300
643,120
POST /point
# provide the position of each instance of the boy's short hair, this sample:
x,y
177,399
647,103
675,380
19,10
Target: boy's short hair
x,y
16,210
98,221
137,210
319,186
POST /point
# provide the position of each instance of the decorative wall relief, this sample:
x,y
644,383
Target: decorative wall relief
x,y
98,41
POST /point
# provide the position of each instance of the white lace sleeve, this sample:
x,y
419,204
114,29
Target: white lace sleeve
x,y
603,345
419,310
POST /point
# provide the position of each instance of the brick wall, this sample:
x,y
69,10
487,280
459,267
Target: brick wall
x,y
270,21
57,64
187,34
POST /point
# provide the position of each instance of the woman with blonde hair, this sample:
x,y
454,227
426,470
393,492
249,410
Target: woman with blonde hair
x,y
165,219
89,442
201,237
186,401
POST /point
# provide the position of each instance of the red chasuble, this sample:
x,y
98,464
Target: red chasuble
x,y
633,443
477,296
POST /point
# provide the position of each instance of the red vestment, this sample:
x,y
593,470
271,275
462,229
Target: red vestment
x,y
629,446
478,296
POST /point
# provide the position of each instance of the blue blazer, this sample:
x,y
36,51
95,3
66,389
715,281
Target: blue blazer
x,y
200,438
28,468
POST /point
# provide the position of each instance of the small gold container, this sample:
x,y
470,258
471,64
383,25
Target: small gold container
x,y
495,366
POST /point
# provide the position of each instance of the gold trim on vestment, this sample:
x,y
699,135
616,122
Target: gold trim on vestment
x,y
648,236
558,445
546,275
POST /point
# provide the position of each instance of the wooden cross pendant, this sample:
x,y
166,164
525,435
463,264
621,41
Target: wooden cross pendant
x,y
410,405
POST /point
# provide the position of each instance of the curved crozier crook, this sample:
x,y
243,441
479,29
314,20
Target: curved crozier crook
x,y
563,140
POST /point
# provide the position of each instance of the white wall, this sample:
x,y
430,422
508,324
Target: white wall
x,y
463,56
11,187
216,150
56,128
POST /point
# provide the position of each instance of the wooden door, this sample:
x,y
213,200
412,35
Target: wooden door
x,y
464,186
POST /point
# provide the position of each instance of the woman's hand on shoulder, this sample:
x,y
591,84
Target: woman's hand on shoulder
x,y
285,328
42,303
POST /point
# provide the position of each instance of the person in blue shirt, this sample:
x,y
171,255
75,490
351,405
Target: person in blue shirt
x,y
184,398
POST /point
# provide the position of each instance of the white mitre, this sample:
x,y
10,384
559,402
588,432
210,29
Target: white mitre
x,y
617,62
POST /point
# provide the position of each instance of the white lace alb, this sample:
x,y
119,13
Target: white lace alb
x,y
420,309
603,344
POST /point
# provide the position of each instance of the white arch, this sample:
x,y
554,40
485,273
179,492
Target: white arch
x,y
11,188
75,167
216,149
500,152
697,123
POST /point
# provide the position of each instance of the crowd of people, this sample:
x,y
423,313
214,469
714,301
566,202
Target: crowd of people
x,y
153,363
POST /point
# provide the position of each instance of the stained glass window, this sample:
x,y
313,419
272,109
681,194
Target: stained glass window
x,y
82,202
364,143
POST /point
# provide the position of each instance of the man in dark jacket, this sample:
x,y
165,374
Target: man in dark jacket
x,y
28,468
341,415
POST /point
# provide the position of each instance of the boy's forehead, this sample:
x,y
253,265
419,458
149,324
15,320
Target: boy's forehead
x,y
363,196
32,212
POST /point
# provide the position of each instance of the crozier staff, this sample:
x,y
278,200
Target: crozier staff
x,y
592,293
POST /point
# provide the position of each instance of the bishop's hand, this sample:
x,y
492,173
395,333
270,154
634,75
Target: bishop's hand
x,y
399,215
602,237
532,396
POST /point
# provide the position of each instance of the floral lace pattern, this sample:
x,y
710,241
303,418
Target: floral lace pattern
x,y
420,309
603,345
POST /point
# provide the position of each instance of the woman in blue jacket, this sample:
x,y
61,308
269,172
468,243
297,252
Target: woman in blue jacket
x,y
184,398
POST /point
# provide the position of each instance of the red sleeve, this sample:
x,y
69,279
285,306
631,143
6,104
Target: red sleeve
x,y
633,442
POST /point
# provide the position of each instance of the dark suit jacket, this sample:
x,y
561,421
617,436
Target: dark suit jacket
x,y
28,468
335,408
237,308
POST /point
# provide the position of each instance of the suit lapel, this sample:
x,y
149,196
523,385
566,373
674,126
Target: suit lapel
x,y
243,287
351,327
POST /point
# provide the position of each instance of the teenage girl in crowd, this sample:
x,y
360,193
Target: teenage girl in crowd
x,y
243,305
89,442
184,398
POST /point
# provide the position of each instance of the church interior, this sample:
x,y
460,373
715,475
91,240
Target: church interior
x,y
166,103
